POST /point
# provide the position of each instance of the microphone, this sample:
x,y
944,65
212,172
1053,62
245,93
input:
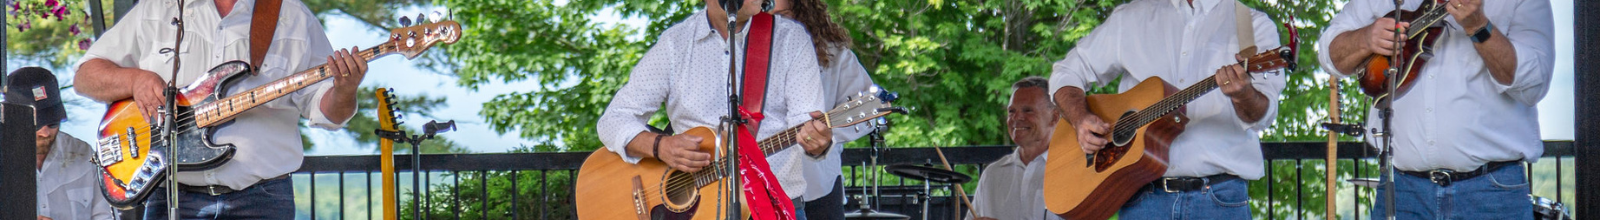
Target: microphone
x,y
731,6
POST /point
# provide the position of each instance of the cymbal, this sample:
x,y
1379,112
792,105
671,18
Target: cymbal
x,y
869,214
929,174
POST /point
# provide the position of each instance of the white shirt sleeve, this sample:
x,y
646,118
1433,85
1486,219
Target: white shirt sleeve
x,y
630,110
121,44
294,51
1530,34
849,78
1270,83
1093,60
1355,15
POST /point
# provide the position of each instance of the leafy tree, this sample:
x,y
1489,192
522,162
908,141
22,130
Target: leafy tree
x,y
48,32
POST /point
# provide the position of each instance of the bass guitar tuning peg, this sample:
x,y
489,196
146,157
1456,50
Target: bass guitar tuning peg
x,y
436,17
405,21
422,17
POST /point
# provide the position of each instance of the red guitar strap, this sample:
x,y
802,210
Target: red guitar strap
x,y
762,191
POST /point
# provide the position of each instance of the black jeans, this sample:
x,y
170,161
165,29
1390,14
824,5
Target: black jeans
x,y
829,207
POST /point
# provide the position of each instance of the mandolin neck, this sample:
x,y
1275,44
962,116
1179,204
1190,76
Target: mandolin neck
x,y
225,109
1426,19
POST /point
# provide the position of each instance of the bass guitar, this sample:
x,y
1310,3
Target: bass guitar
x,y
1415,51
609,188
1146,120
134,152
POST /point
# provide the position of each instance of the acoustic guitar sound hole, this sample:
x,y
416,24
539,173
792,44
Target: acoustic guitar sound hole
x,y
679,188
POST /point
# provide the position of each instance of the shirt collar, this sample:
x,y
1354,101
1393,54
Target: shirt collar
x,y
1201,6
1013,159
703,30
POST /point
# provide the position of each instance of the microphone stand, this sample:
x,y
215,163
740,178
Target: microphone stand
x,y
170,114
730,140
1386,113
428,131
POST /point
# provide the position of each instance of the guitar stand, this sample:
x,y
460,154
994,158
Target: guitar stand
x,y
428,132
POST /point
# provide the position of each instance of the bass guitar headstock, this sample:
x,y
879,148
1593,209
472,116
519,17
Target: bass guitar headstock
x,y
411,40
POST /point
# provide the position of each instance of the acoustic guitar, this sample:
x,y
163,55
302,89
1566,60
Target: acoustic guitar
x,y
1415,51
134,152
609,188
1146,120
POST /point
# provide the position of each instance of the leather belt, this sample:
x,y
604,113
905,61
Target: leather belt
x,y
1182,184
1444,177
216,190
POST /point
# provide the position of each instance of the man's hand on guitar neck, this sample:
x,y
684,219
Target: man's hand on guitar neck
x,y
680,152
339,104
815,137
1248,104
1091,130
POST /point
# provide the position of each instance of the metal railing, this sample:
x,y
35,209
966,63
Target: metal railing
x,y
539,185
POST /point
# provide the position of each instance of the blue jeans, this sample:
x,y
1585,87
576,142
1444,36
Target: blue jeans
x,y
799,208
1500,194
271,199
1219,200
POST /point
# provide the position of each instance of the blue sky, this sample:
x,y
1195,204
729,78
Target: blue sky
x,y
1555,111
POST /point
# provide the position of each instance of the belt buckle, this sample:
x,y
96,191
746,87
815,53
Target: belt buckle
x,y
1166,185
1440,177
212,189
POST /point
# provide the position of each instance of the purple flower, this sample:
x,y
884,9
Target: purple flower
x,y
59,11
74,29
51,3
83,44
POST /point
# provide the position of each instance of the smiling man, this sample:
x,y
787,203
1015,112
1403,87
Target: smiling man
x,y
1012,187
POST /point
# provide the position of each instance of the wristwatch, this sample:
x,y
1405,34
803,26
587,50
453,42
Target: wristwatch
x,y
1483,33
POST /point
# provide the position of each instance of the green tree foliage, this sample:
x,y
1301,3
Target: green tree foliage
x,y
52,32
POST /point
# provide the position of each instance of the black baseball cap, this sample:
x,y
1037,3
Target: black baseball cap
x,y
37,87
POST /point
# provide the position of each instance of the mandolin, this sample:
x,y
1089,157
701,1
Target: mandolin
x,y
1417,48
609,188
1146,120
133,151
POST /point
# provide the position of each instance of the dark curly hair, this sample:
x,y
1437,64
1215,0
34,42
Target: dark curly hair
x,y
813,14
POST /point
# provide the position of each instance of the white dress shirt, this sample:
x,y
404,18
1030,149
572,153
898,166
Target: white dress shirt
x,y
1456,116
1182,45
69,184
1011,190
840,82
267,138
687,70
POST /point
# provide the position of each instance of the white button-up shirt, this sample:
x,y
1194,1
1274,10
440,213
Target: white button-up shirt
x,y
1011,190
1456,116
841,81
1182,45
69,184
267,138
687,70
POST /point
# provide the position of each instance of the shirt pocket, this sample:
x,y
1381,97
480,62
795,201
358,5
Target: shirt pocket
x,y
81,199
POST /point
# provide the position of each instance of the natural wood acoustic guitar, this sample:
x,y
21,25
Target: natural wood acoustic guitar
x,y
1146,119
610,188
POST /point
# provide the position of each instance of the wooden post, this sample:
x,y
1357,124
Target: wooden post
x,y
1333,150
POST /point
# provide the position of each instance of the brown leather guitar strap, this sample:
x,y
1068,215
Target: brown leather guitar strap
x,y
262,26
